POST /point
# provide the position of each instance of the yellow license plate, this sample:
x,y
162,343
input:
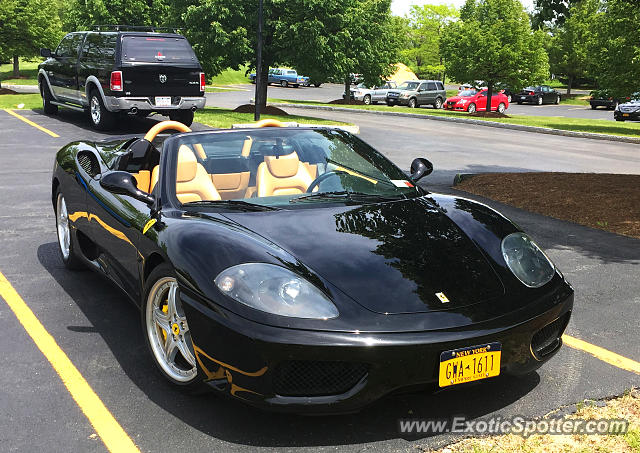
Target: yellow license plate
x,y
469,364
625,114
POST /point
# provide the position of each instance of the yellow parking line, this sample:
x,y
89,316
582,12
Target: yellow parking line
x,y
603,354
113,436
31,123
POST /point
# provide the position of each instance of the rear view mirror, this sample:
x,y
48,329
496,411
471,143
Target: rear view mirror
x,y
45,53
420,167
123,183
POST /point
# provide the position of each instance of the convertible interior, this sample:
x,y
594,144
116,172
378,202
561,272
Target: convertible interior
x,y
249,168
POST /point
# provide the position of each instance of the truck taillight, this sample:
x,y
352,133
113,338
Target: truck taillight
x,y
531,93
116,81
202,81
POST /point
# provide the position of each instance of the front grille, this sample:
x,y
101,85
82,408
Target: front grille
x,y
313,378
547,339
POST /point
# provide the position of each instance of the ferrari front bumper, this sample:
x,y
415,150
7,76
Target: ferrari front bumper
x,y
333,372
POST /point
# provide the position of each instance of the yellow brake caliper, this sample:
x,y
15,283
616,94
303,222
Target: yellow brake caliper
x,y
165,310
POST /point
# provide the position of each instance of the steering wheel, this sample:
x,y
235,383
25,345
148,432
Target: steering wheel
x,y
322,177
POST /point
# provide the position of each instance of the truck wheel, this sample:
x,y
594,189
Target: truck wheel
x,y
101,118
412,103
593,107
438,104
182,116
283,83
47,106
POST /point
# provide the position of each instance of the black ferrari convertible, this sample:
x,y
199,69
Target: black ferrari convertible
x,y
299,269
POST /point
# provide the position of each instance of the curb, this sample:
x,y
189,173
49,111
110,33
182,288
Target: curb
x,y
517,127
22,89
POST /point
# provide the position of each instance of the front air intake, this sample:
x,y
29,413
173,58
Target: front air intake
x,y
547,340
315,378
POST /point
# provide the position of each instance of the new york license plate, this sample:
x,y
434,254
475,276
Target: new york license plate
x,y
625,114
469,364
523,97
163,101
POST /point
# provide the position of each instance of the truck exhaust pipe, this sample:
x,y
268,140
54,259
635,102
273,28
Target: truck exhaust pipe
x,y
194,108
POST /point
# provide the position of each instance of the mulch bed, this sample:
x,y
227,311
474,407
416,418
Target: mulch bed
x,y
605,201
489,115
7,91
270,110
342,101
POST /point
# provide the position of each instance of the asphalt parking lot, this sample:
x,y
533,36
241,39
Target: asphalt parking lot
x,y
328,92
99,329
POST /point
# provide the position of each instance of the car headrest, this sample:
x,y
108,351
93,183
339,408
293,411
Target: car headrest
x,y
283,166
187,164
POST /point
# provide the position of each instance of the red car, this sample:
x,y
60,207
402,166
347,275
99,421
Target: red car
x,y
476,101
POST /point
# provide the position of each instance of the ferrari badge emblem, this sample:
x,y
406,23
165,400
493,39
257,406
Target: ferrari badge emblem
x,y
442,298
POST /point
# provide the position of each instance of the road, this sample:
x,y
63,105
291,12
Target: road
x,y
329,92
100,330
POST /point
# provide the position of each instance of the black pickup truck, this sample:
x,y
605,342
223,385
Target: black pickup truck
x,y
106,73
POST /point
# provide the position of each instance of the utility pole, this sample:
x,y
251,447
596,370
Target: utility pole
x,y
258,96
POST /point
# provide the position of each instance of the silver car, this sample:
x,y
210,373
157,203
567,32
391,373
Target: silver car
x,y
372,95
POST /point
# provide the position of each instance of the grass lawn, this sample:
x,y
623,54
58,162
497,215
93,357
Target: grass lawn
x,y
552,122
28,73
11,101
224,118
575,99
230,77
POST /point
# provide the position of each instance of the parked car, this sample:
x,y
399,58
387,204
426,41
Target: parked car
x,y
542,94
245,291
415,93
371,95
604,98
108,72
503,88
283,77
476,101
629,111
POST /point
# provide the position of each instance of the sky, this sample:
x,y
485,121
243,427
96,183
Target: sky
x,y
401,7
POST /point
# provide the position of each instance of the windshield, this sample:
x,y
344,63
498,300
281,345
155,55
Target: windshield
x,y
467,93
157,49
409,86
280,167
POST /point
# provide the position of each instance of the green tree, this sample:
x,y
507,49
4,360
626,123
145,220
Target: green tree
x,y
569,48
551,12
320,38
424,30
25,27
493,42
615,48
82,14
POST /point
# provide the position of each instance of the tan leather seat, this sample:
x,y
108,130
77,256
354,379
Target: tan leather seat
x,y
143,178
193,183
154,177
312,169
231,185
284,175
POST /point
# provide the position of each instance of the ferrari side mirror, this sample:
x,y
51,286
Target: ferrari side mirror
x,y
420,167
123,183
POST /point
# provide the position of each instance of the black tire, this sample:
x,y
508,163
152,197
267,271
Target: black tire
x,y
164,273
101,118
70,258
317,85
471,108
296,86
47,106
413,103
391,104
283,83
593,107
438,104
182,116
502,107
367,99
519,102
619,119
614,106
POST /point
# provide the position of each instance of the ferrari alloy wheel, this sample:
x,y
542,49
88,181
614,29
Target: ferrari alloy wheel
x,y
539,100
65,244
471,108
501,107
168,332
367,99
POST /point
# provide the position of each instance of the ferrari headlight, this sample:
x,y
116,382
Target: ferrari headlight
x,y
276,290
526,260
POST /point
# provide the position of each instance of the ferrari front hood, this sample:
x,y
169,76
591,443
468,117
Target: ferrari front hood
x,y
394,257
